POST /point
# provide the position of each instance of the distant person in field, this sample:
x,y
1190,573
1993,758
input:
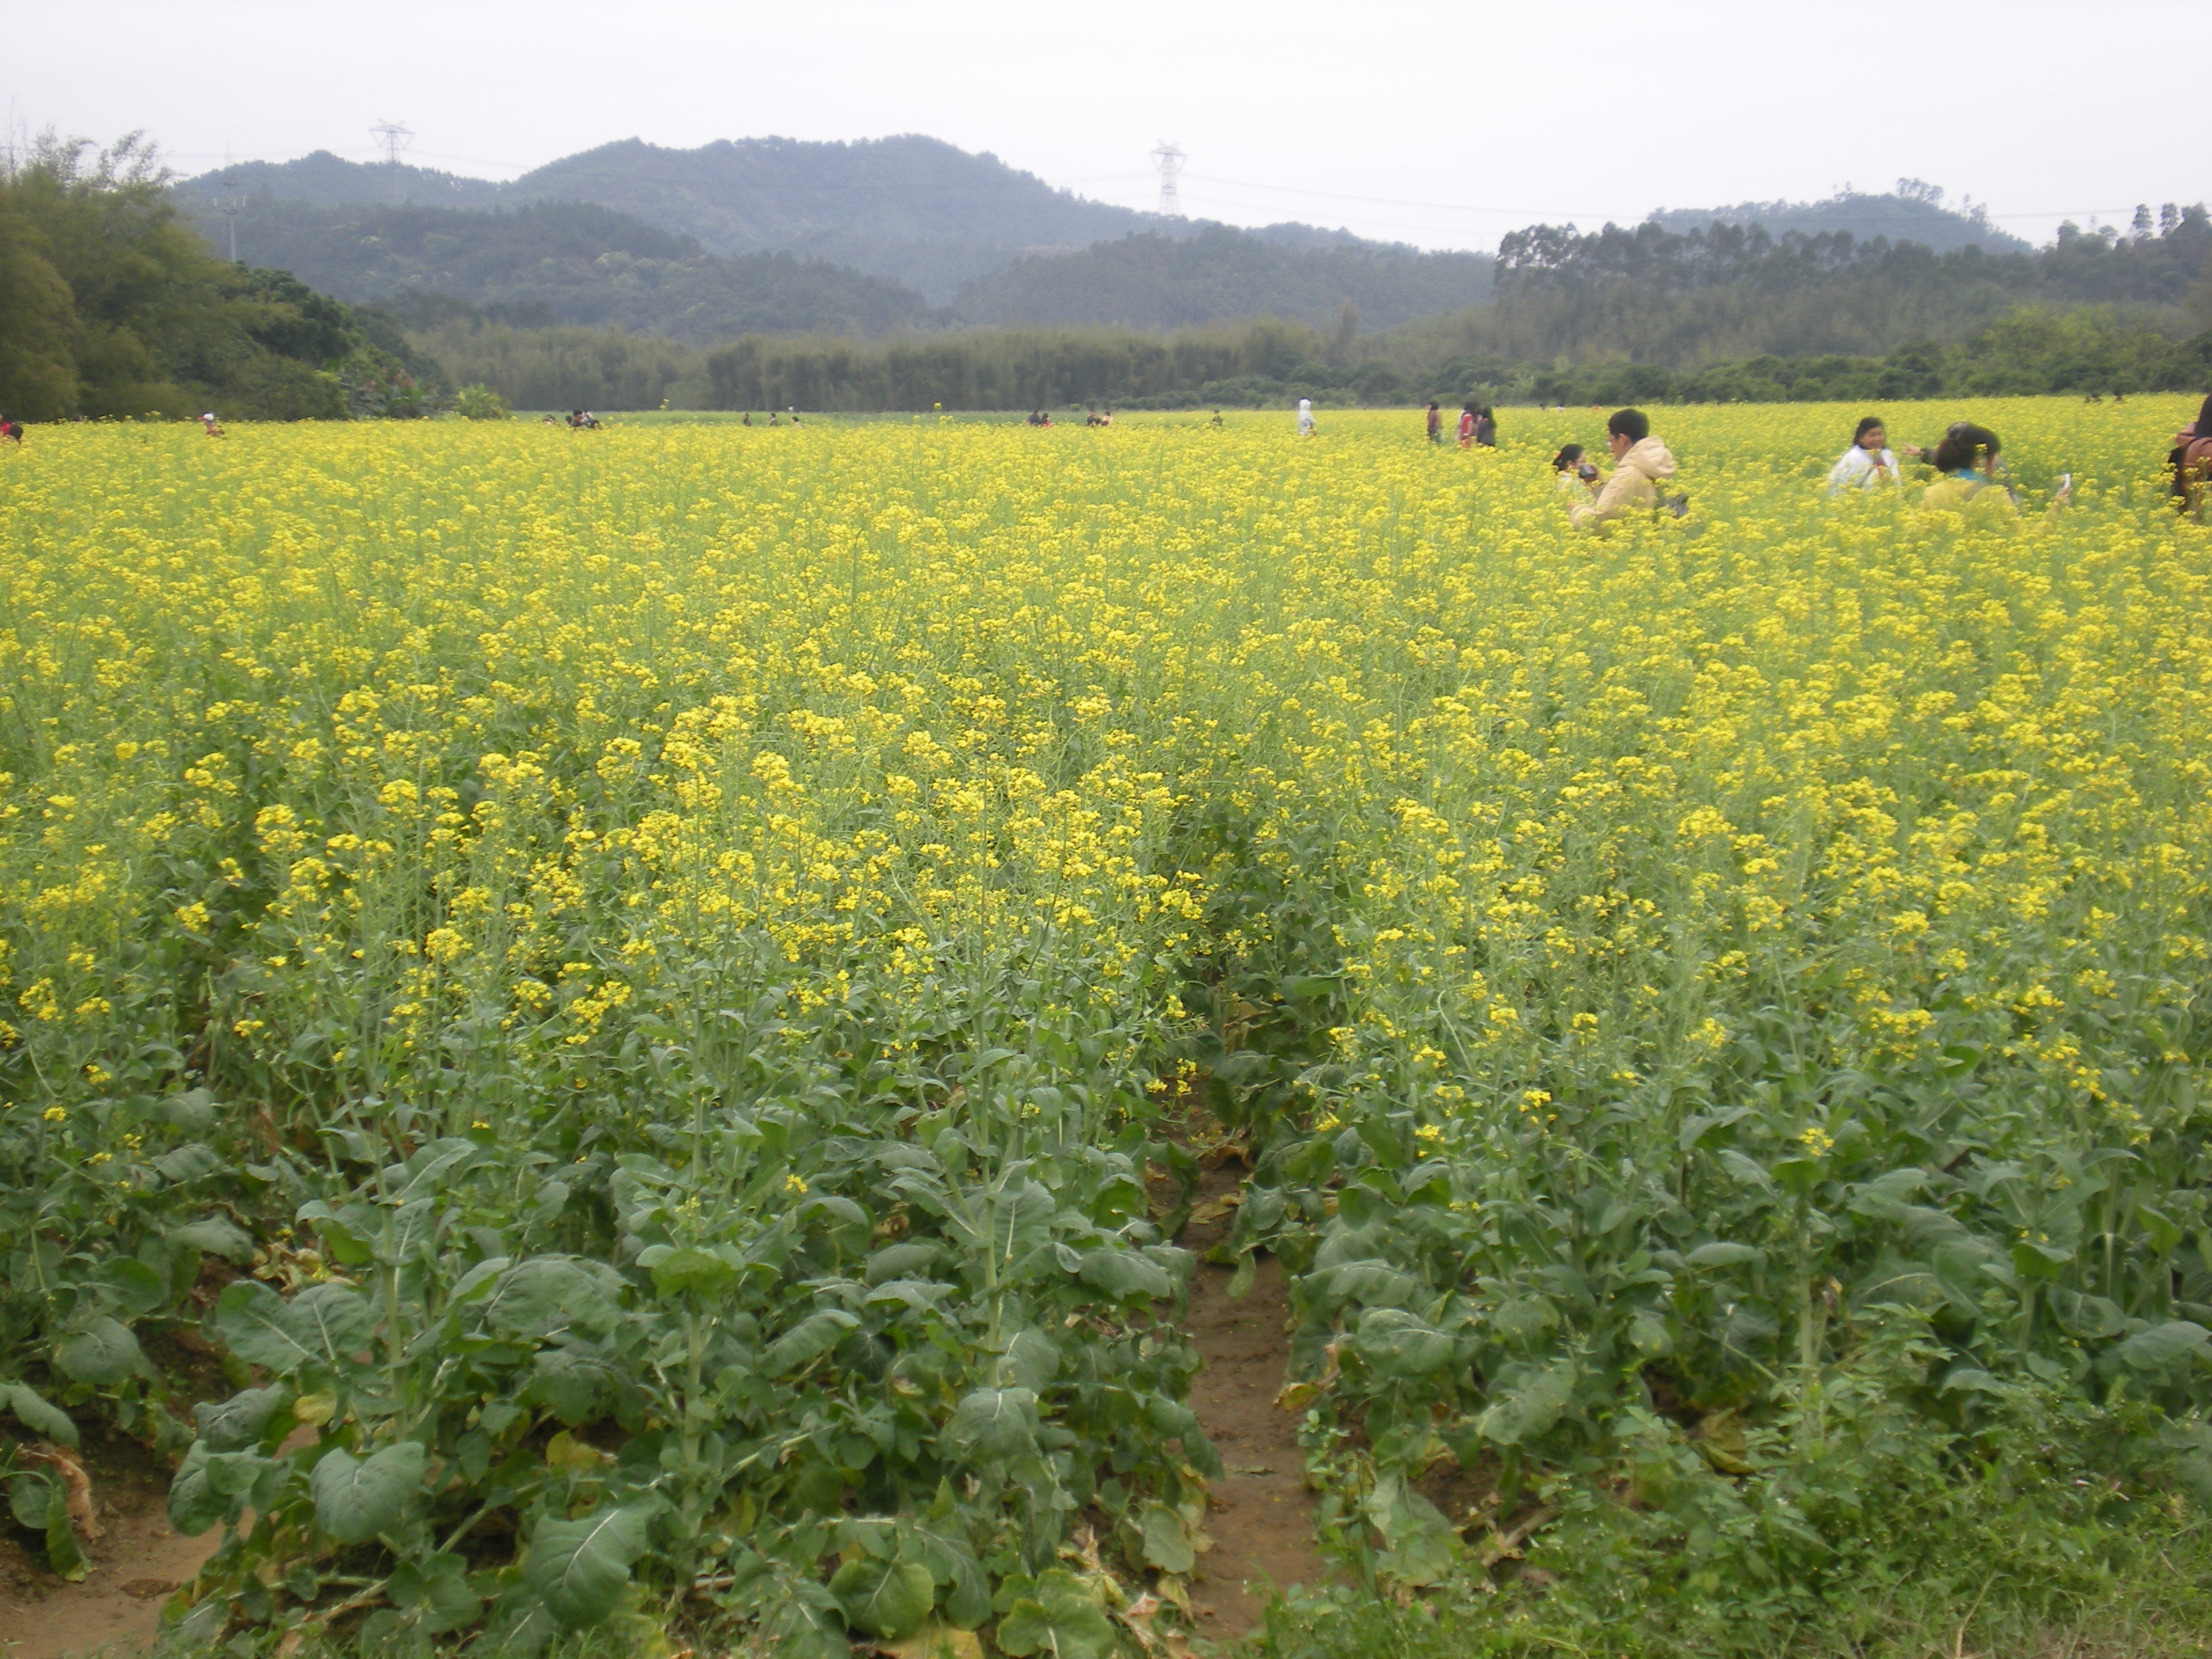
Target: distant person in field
x,y
211,425
1867,463
11,429
1576,472
748,420
2190,463
1971,475
1640,463
1486,427
1436,422
1466,426
1305,418
1216,420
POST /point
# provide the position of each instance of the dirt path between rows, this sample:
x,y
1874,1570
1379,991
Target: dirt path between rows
x,y
1260,1516
136,1565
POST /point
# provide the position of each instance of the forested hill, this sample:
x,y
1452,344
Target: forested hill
x,y
1914,212
568,262
913,209
1164,283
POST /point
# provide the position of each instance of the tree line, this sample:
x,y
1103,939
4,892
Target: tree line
x,y
115,307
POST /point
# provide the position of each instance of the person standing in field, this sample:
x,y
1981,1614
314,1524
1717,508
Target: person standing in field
x,y
1466,426
1305,418
1436,422
1867,463
1486,427
1640,462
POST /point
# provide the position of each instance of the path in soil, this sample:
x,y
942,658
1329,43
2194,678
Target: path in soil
x,y
136,1565
1260,1516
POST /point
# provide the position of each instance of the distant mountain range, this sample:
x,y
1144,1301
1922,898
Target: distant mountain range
x,y
915,209
778,236
1914,212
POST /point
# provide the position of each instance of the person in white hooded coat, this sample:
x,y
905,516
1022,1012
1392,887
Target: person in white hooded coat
x,y
1640,462
1867,463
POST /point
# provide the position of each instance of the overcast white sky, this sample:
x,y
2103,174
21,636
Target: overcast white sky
x,y
1444,124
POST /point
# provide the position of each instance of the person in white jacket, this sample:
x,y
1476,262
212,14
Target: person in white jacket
x,y
1640,462
1868,463
1305,418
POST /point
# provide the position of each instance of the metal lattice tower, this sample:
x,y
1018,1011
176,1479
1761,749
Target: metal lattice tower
x,y
394,138
1170,160
228,207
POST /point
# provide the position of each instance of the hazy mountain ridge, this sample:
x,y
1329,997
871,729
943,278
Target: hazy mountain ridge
x,y
912,208
571,262
1161,283
1914,212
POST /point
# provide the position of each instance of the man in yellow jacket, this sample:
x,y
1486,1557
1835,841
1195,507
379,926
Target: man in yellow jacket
x,y
1640,462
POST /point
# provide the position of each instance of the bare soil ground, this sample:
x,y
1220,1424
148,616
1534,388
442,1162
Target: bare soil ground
x,y
136,1563
1261,1517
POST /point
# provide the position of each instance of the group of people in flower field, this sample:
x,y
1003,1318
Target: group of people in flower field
x,y
1967,462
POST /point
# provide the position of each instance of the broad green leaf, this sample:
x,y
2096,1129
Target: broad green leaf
x,y
2162,1345
236,1423
951,1562
1167,1541
1396,1344
189,1162
548,1294
323,1326
192,1111
1523,1413
63,1554
1649,1333
1525,1316
1123,1273
577,1569
1374,1284
901,1262
884,1598
30,1497
194,1504
1064,1626
1971,1378
576,1386
39,1415
99,1351
216,1235
995,1423
132,1287
1417,1537
1746,1172
2085,1316
1033,1358
437,1593
692,1272
1721,1253
807,1340
356,1499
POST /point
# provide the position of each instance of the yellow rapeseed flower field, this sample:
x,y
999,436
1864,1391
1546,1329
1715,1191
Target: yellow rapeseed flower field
x,y
729,898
